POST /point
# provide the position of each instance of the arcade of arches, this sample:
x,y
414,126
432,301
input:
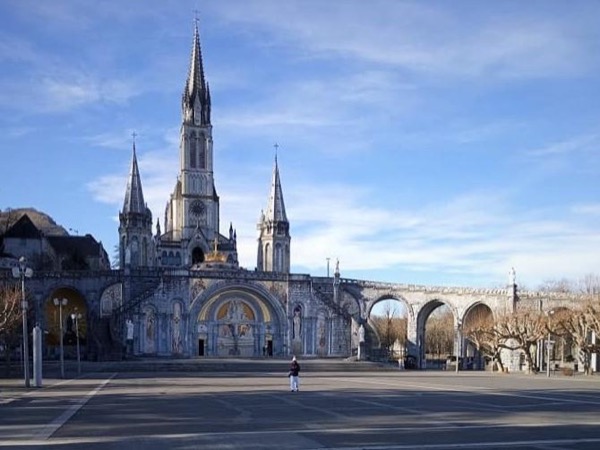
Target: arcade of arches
x,y
436,328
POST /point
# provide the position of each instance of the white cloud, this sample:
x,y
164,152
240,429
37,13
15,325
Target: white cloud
x,y
490,45
591,209
576,144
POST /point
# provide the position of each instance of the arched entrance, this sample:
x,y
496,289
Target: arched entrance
x,y
474,333
436,335
387,329
68,305
238,323
197,255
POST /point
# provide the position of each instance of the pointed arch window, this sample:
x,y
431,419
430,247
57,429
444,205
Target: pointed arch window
x,y
201,151
192,149
277,263
268,258
144,256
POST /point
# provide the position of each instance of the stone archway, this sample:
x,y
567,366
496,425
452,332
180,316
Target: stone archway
x,y
444,342
238,323
70,306
387,329
476,317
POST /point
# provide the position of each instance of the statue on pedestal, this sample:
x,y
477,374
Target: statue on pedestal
x,y
129,336
512,277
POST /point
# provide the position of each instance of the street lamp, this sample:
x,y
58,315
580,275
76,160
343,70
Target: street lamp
x,y
60,302
23,272
75,317
458,343
548,345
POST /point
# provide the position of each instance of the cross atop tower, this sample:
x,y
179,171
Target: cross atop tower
x,y
133,135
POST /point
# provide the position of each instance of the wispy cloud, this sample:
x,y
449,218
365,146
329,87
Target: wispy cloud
x,y
591,209
577,144
492,45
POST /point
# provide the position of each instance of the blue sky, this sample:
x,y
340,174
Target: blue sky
x,y
420,142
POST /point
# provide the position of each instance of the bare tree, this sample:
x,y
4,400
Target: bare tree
x,y
439,336
557,285
578,324
10,316
480,330
525,328
590,284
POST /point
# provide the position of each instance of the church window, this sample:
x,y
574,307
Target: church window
x,y
201,152
165,258
171,259
278,254
122,252
268,258
144,261
192,149
135,252
178,259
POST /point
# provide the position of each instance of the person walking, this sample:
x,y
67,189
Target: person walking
x,y
293,374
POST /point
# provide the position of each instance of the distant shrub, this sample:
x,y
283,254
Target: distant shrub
x,y
567,371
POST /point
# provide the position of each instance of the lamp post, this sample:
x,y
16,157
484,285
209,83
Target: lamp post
x,y
75,317
548,345
23,272
458,343
60,302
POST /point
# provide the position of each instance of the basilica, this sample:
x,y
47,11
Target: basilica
x,y
193,297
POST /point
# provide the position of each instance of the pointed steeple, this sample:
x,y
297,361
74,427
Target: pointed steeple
x,y
134,197
195,103
274,230
276,207
136,247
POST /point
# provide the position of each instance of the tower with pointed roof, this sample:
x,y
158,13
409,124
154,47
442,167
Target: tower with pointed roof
x,y
192,214
136,247
274,231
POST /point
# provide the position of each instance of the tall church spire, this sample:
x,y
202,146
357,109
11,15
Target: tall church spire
x,y
134,197
195,103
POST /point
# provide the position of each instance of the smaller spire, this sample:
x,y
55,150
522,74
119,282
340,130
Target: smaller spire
x,y
134,197
276,206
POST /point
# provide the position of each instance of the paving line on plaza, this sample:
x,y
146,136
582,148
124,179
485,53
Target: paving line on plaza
x,y
90,440
475,390
49,429
476,445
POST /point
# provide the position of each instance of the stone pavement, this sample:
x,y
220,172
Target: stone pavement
x,y
246,404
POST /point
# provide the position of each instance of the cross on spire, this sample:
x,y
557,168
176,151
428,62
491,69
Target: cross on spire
x,y
276,149
133,135
196,18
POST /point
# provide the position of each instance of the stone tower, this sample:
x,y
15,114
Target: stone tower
x,y
192,214
136,246
274,231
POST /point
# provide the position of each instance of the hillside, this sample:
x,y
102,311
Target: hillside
x,y
41,220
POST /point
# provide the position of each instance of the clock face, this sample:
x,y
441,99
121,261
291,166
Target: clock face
x,y
197,208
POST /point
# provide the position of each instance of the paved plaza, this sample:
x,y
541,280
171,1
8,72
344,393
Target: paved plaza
x,y
345,409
